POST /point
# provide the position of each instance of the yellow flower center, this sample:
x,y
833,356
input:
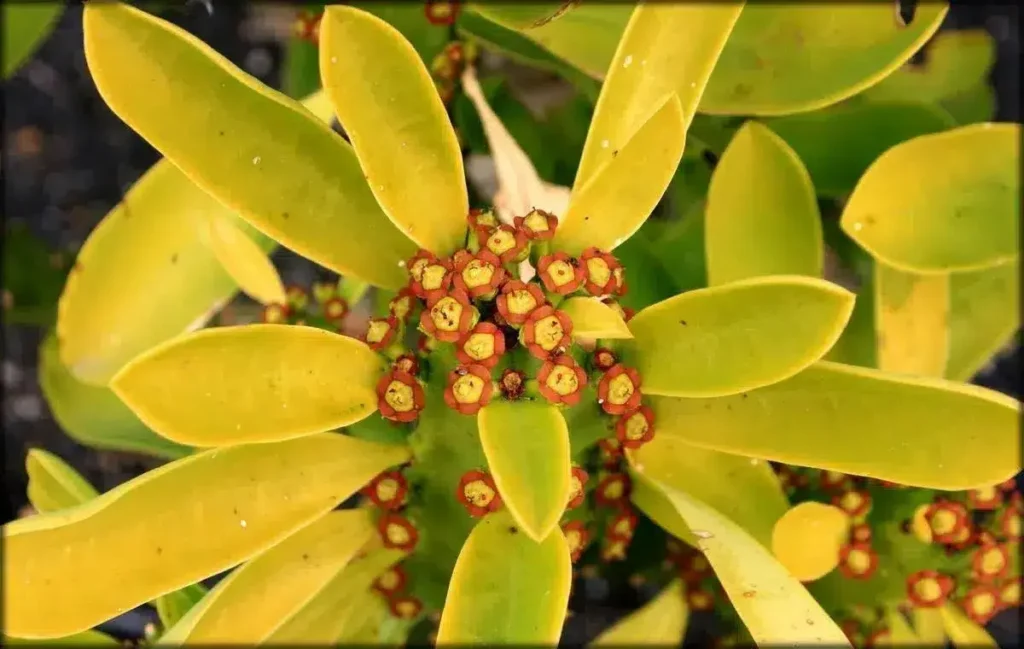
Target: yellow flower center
x,y
335,309
387,489
275,313
616,550
548,333
406,608
446,314
398,534
620,389
400,307
389,580
636,426
563,380
851,501
858,561
477,273
943,521
575,486
928,589
614,490
521,302
985,494
1010,593
433,276
561,272
486,219
378,331
1012,526
416,270
399,396
468,388
480,346
983,603
501,241
922,530
623,527
574,539
992,561
598,271
536,221
478,493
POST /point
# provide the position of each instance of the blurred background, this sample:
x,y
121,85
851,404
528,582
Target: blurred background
x,y
67,160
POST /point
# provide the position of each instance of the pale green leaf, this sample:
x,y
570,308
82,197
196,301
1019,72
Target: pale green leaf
x,y
662,621
592,318
963,631
243,259
984,314
53,484
911,321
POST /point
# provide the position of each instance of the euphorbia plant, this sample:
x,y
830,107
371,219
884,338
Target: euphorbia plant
x,y
494,378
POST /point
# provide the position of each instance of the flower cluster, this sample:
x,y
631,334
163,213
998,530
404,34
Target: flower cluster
x,y
326,310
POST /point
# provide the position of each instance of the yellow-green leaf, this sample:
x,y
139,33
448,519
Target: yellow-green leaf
x,y
524,15
25,26
258,152
53,484
774,606
364,629
324,617
93,415
251,383
389,106
662,621
245,261
742,489
619,197
807,539
929,627
738,336
665,49
911,321
173,606
762,215
592,318
963,631
909,430
263,594
527,449
900,633
943,202
507,588
984,314
88,638
69,570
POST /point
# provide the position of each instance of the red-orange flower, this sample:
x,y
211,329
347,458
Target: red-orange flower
x,y
399,396
990,563
387,490
985,498
405,607
518,300
407,363
484,345
612,490
434,280
928,588
855,503
618,391
442,12
505,241
693,566
857,561
622,526
546,332
402,304
479,275
947,520
601,272
834,481
981,603
449,317
469,389
577,537
297,297
391,581
562,380
611,451
604,359
538,225
1009,523
860,533
307,26
577,490
478,493
636,428
482,218
274,313
512,384
560,273
1009,593
614,549
381,332
335,309
397,532
418,262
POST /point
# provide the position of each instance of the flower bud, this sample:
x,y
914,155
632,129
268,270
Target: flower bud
x,y
577,487
381,332
441,12
387,490
397,532
504,241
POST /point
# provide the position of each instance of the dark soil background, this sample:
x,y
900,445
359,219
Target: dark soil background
x,y
67,160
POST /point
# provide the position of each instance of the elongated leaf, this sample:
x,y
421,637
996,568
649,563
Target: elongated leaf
x,y
70,570
911,321
525,16
900,632
265,593
592,318
251,383
398,126
943,202
665,49
173,606
325,616
88,638
808,537
862,131
254,149
527,449
736,337
744,490
762,215
620,195
247,264
963,631
915,431
929,626
507,588
984,314
25,26
662,621
774,606
408,18
364,628
93,415
53,484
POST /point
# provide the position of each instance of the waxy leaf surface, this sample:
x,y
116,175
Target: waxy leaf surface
x,y
911,321
75,568
251,383
258,152
738,336
662,621
390,108
592,318
527,449
507,588
914,431
53,484
245,261
984,314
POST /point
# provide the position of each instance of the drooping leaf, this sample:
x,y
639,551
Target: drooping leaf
x,y
245,261
963,631
93,415
914,431
53,484
592,318
662,621
738,336
251,383
744,490
254,149
265,593
774,606
25,26
943,202
984,314
808,537
72,569
762,215
911,321
840,142
390,109
527,450
507,588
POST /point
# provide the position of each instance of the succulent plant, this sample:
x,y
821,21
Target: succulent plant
x,y
506,412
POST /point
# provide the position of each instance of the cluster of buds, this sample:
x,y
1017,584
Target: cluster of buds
x,y
447,67
693,568
307,26
392,585
326,310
